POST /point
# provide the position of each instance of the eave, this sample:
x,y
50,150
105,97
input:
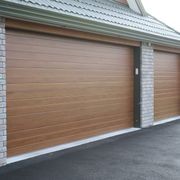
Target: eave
x,y
26,13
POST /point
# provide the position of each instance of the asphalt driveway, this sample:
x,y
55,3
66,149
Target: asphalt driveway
x,y
149,154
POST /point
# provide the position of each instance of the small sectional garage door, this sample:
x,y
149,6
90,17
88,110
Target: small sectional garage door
x,y
60,90
167,85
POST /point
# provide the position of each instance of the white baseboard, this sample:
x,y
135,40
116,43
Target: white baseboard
x,y
68,145
166,120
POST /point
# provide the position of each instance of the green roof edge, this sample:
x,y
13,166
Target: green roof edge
x,y
22,12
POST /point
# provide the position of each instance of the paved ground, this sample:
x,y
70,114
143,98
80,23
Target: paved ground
x,y
150,154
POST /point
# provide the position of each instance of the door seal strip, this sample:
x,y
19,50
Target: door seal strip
x,y
68,145
166,120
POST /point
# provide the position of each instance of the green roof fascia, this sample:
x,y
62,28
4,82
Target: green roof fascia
x,y
27,13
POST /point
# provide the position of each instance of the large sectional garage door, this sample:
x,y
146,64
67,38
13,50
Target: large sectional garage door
x,y
60,90
167,85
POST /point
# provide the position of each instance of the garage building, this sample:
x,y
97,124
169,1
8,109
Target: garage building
x,y
74,72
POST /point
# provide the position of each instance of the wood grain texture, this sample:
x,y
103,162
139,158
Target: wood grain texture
x,y
167,85
166,49
62,89
35,27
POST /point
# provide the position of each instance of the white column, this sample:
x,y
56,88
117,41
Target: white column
x,y
3,137
147,85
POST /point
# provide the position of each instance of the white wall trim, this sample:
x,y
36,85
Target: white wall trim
x,y
166,120
68,145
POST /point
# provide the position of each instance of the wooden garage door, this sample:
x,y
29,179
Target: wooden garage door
x,y
61,90
167,85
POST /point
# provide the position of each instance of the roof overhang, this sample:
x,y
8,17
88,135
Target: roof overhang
x,y
26,13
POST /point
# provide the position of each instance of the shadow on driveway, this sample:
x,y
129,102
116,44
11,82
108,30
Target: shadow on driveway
x,y
149,154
